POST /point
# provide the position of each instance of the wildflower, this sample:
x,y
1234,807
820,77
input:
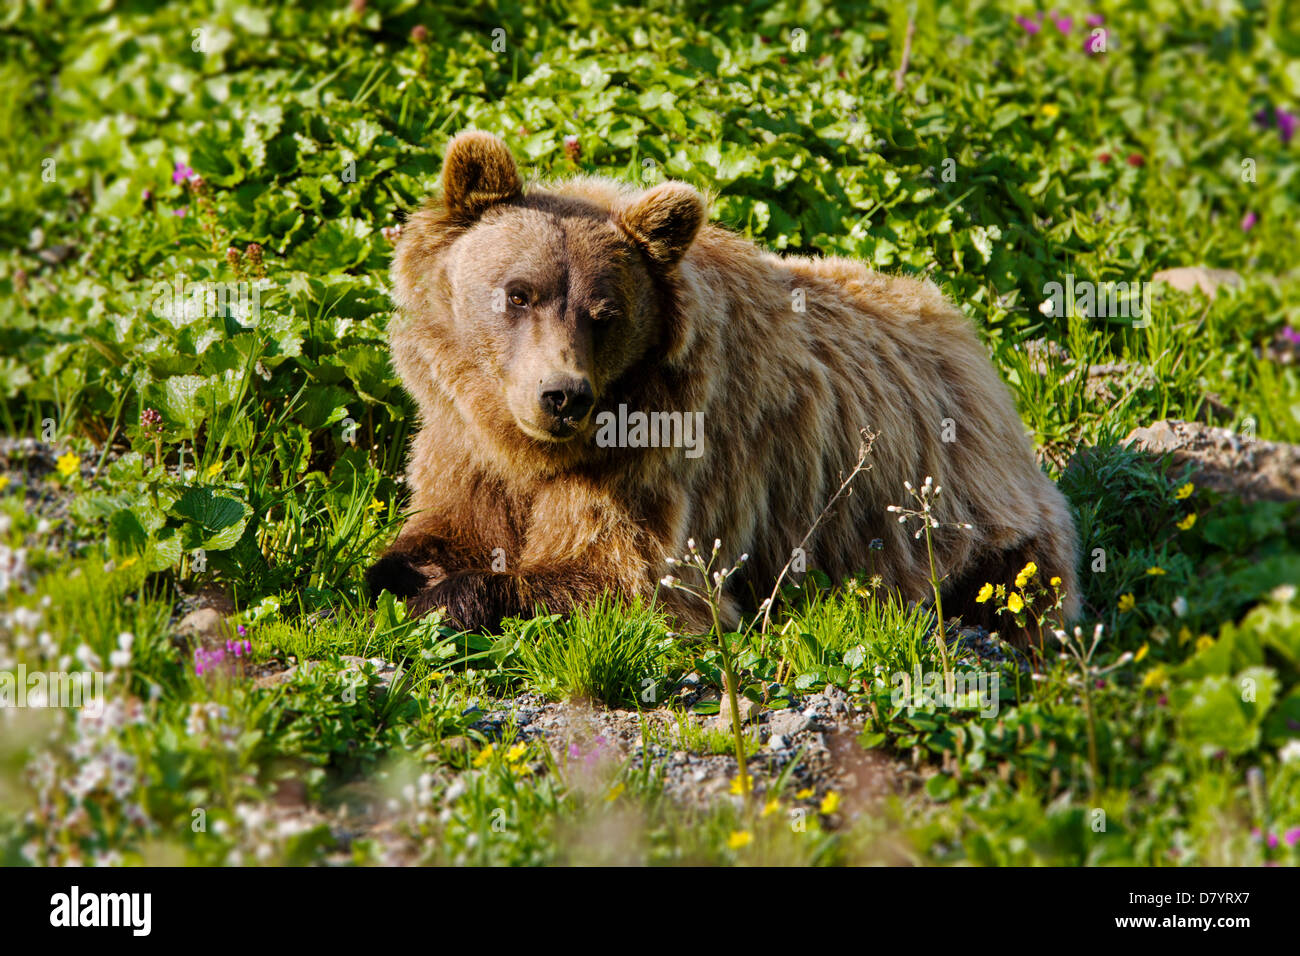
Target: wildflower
x,y
1153,678
1141,653
1292,836
739,839
1286,124
1135,160
830,803
1204,642
419,34
484,755
1184,635
1051,110
182,173
1015,604
1187,523
615,792
214,469
771,807
1180,607
375,505
1156,571
986,592
1248,221
1126,603
1055,582
1064,24
1184,491
516,753
68,464
804,794
1026,574
572,148
1028,25
4,482
737,787
1103,157
1095,19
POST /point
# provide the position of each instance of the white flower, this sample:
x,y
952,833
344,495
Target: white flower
x,y
1180,606
1290,752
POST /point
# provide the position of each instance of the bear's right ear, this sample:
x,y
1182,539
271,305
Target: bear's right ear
x,y
478,172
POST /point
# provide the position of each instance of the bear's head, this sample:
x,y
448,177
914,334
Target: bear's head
x,y
524,307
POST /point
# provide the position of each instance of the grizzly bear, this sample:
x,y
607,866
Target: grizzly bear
x,y
602,375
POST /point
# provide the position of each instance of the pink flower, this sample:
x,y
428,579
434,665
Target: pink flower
x,y
1248,221
1064,24
182,173
1095,19
1292,836
1030,26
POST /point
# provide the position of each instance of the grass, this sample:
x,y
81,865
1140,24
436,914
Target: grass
x,y
269,463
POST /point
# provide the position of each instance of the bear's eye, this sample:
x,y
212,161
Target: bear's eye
x,y
517,299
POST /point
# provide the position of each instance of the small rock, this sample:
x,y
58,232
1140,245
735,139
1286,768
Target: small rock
x,y
788,723
206,624
777,742
1187,278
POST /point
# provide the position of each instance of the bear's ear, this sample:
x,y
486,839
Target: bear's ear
x,y
478,172
664,221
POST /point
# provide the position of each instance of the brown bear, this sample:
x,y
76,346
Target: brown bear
x,y
602,375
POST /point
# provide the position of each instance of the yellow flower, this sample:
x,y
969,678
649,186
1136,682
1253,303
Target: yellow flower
x,y
214,469
615,792
129,561
771,807
737,787
1204,642
1186,523
4,482
1155,572
1051,110
1015,604
375,505
1055,582
1184,635
1026,574
516,753
1184,491
1142,652
1126,603
69,464
986,592
804,794
830,803
740,839
1154,677
437,675
484,755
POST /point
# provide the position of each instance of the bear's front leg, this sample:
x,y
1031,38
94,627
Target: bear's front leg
x,y
474,600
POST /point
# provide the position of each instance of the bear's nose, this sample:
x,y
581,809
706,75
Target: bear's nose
x,y
567,397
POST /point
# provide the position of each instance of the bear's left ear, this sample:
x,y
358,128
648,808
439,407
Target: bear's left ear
x,y
664,221
478,172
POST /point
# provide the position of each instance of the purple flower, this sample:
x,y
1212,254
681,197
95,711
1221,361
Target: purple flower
x,y
1272,841
242,630
1064,24
1030,26
1095,19
574,751
179,212
1286,123
181,173
1248,221
1292,336
1292,836
146,195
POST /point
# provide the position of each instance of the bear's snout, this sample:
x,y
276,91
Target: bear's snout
x,y
567,399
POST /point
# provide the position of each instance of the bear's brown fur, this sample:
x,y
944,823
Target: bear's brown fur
x,y
527,313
